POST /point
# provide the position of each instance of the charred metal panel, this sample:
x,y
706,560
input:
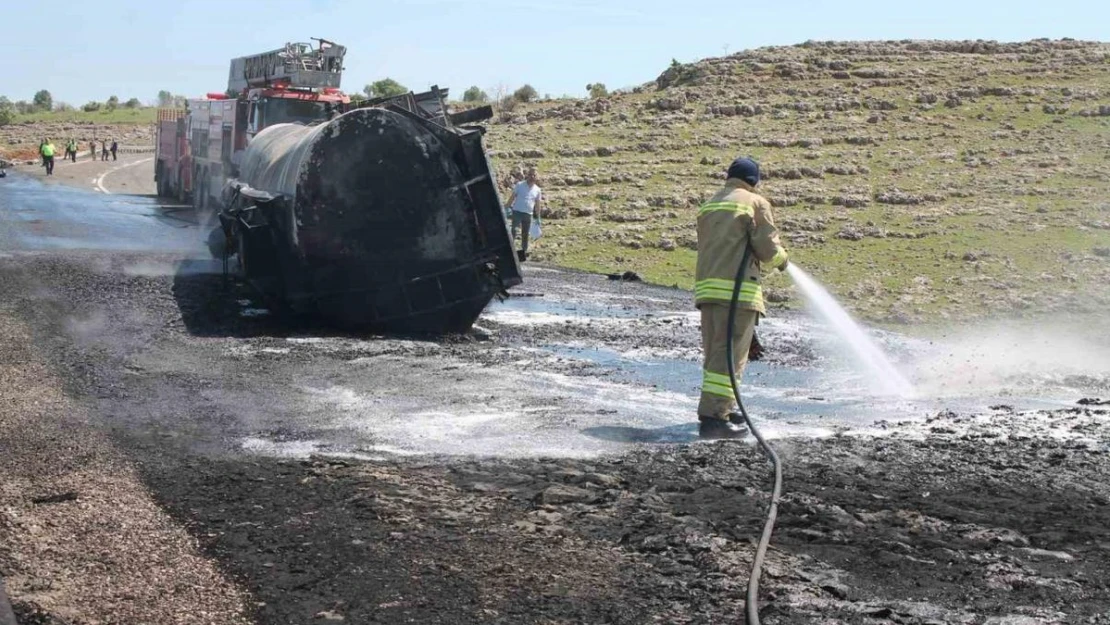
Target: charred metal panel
x,y
469,116
378,218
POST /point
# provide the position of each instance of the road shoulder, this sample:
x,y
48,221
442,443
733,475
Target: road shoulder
x,y
81,538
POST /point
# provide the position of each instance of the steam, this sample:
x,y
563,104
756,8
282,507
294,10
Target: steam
x,y
1018,357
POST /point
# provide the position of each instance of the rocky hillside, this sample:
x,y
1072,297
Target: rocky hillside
x,y
916,178
21,140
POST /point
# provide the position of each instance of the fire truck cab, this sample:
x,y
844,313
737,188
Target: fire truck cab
x,y
295,84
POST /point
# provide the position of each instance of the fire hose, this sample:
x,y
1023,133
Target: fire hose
x,y
751,605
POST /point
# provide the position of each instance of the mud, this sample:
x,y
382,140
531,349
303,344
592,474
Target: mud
x,y
544,468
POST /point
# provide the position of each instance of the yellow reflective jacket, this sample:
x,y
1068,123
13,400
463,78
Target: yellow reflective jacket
x,y
726,222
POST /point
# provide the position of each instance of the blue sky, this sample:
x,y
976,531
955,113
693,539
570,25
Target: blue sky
x,y
85,50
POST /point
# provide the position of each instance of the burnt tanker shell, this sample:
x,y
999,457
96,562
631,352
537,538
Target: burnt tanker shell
x,y
370,220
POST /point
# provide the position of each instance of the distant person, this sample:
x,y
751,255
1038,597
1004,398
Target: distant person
x,y
92,150
115,146
733,219
71,150
525,202
103,150
48,157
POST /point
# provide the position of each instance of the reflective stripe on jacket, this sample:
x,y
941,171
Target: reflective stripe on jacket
x,y
725,223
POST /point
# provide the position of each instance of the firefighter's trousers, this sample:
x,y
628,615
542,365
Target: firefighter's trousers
x,y
717,399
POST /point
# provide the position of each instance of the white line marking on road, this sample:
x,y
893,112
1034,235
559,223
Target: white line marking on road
x,y
99,180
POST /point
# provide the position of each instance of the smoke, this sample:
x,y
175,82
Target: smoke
x,y
1030,358
87,328
154,268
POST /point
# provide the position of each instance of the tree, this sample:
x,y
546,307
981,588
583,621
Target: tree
x,y
7,111
91,106
43,101
112,103
133,103
597,90
24,107
527,93
63,107
384,88
474,94
165,99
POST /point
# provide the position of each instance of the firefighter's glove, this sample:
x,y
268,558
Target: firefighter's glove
x,y
755,350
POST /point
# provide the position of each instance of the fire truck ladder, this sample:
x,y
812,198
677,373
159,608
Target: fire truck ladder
x,y
297,65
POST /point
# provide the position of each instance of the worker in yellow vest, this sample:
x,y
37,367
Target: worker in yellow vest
x,y
735,217
48,156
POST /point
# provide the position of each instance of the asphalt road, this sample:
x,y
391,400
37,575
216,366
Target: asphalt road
x,y
131,174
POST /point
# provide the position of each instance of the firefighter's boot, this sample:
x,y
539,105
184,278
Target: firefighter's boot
x,y
714,428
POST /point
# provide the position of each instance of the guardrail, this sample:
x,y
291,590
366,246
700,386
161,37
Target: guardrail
x,y
135,149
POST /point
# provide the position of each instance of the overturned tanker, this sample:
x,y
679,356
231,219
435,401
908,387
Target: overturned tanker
x,y
384,218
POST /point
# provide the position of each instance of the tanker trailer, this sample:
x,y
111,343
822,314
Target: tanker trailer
x,y
380,219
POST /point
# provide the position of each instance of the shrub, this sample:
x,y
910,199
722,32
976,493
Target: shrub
x,y
386,87
474,94
527,93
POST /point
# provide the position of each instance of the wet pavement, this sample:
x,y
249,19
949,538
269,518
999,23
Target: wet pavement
x,y
576,364
44,218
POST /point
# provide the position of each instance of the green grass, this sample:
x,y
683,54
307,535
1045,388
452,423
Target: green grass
x,y
103,116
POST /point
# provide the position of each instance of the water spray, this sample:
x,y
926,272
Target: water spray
x,y
878,366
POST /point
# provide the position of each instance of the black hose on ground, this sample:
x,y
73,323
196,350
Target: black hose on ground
x,y
751,607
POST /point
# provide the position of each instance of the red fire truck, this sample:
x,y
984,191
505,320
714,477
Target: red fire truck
x,y
198,147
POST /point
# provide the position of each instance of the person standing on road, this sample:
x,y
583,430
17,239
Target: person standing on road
x,y
735,217
92,150
71,150
525,202
103,150
115,146
48,156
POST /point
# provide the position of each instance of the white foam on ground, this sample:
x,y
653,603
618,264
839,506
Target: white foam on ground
x,y
526,318
290,449
529,414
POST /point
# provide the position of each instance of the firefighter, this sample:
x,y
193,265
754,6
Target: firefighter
x,y
733,218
